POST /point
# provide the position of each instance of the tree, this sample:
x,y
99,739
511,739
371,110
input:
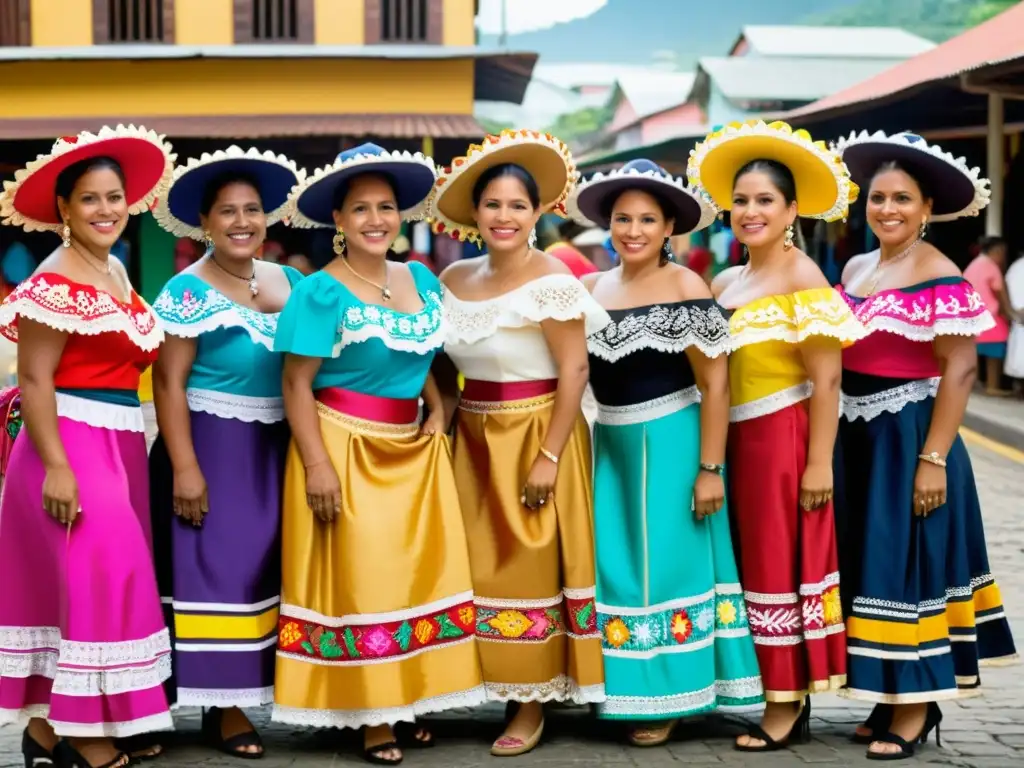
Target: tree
x,y
581,123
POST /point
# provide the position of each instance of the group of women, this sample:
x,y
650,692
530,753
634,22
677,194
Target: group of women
x,y
325,540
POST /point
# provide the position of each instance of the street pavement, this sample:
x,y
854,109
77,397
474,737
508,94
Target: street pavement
x,y
983,732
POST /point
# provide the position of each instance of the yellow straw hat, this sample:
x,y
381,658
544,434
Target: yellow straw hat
x,y
823,186
543,156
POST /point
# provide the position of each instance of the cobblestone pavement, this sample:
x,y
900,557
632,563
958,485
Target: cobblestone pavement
x,y
977,733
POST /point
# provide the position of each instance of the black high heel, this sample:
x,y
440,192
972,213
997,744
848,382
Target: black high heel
x,y
212,728
801,731
877,722
35,754
66,756
932,719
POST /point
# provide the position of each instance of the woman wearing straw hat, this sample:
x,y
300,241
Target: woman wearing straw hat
x,y
377,615
788,328
217,465
674,633
925,608
517,332
83,646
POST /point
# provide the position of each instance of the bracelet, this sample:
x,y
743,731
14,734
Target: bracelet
x,y
717,469
548,455
932,458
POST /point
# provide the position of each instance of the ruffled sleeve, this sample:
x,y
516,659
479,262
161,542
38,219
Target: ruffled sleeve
x,y
188,307
795,318
672,328
943,307
310,323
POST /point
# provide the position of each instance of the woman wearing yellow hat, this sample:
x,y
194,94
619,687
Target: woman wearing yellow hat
x,y
788,327
517,326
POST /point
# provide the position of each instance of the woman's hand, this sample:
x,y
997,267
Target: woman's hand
x,y
434,424
60,495
190,499
323,491
929,488
540,483
816,486
708,494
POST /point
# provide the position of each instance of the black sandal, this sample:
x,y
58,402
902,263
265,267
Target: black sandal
x,y
35,754
801,731
373,754
932,720
140,746
67,756
878,722
213,720
415,735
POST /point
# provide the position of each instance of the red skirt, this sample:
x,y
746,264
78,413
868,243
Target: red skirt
x,y
788,561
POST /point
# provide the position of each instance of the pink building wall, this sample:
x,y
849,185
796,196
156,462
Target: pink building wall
x,y
624,115
666,124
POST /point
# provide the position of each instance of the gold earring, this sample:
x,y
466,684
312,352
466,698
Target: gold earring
x,y
924,227
66,236
208,239
339,243
788,242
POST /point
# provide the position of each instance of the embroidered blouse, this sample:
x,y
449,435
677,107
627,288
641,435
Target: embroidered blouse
x,y
766,369
500,339
365,348
236,374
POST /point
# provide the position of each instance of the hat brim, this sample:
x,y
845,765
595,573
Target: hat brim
x,y
686,211
952,191
412,182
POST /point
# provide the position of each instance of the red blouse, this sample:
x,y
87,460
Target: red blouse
x,y
110,342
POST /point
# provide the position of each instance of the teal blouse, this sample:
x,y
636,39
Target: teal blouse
x,y
234,343
365,348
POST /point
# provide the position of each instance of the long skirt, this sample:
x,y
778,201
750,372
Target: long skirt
x,y
82,638
221,582
788,560
377,610
533,570
669,604
926,609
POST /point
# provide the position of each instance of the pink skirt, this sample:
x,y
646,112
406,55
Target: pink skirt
x,y
82,638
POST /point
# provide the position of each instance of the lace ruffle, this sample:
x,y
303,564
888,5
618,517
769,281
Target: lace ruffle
x,y
562,688
122,418
266,410
939,310
663,329
421,333
649,410
189,317
893,400
795,318
772,403
358,718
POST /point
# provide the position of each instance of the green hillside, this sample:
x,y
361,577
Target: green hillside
x,y
936,20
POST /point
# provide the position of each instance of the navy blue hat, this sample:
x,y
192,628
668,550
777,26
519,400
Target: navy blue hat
x,y
177,211
690,212
412,176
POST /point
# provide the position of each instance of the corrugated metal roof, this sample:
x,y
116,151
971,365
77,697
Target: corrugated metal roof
x,y
258,126
788,79
652,92
580,74
834,42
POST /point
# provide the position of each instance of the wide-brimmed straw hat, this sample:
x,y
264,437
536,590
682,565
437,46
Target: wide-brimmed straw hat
x,y
823,186
411,174
177,210
546,158
591,201
956,189
146,159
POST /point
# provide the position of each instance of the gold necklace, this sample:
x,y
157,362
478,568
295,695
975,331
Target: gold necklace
x,y
385,292
254,287
881,267
106,269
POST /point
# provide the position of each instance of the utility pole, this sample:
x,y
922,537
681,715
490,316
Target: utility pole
x,y
503,38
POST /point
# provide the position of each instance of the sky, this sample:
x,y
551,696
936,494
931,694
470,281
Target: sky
x,y
532,15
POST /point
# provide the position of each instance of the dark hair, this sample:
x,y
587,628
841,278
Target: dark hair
x,y
70,176
507,169
341,191
991,243
896,165
779,174
215,185
608,205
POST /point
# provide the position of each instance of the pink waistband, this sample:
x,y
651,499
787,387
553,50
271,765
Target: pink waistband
x,y
504,391
370,407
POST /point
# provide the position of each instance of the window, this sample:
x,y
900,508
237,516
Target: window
x,y
404,21
133,21
273,21
14,23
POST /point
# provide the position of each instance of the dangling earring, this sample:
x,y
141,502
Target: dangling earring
x,y
66,236
339,243
788,242
532,242
208,239
666,251
924,227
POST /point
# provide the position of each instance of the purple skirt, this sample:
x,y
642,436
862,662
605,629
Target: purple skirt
x,y
220,583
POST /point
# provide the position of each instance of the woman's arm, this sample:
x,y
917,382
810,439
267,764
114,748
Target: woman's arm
x,y
712,376
823,359
39,351
568,344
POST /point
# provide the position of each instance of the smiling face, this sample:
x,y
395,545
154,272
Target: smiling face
x,y
369,216
236,221
505,216
760,213
638,227
896,207
96,209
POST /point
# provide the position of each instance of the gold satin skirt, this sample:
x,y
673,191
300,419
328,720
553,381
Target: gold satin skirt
x,y
533,570
377,615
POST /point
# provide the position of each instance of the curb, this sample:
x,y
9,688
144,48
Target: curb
x,y
1006,434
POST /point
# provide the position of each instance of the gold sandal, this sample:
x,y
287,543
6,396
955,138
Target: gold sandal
x,y
659,736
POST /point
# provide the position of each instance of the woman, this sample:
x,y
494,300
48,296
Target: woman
x,y
985,274
674,633
517,331
925,606
378,623
788,327
217,465
83,646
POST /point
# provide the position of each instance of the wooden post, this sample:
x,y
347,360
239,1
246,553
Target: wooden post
x,y
995,164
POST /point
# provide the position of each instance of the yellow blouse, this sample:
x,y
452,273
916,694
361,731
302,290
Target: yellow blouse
x,y
146,386
766,369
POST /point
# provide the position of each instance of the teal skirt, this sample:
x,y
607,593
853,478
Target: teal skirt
x,y
671,613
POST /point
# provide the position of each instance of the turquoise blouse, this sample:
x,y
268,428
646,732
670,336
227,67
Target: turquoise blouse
x,y
365,348
234,343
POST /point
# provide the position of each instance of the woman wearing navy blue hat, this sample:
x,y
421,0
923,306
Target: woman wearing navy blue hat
x,y
377,618
674,632
217,466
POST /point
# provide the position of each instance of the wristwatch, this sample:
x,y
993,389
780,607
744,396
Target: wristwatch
x,y
718,469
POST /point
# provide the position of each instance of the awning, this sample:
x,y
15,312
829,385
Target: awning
x,y
259,126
